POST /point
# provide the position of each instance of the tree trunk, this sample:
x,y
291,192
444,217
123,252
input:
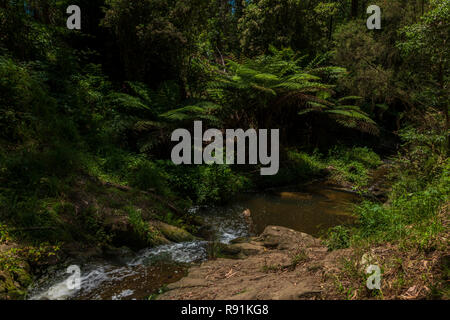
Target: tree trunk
x,y
443,103
355,4
239,8
330,36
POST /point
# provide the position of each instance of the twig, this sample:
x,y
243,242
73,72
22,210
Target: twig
x,y
31,229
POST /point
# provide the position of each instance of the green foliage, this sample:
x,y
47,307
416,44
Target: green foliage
x,y
425,46
157,293
352,165
257,89
140,226
152,115
421,189
144,29
206,184
284,24
123,167
426,43
412,216
144,175
299,167
23,101
304,165
218,183
338,238
13,259
234,64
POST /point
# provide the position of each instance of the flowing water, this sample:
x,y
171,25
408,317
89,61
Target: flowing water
x,y
312,210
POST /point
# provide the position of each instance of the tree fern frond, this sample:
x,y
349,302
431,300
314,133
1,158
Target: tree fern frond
x,y
352,114
305,111
145,125
349,98
267,77
126,101
264,89
302,77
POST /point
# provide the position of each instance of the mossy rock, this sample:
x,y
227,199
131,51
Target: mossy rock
x,y
10,289
23,277
6,281
173,233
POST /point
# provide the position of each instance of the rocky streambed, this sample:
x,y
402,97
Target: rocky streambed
x,y
201,268
281,263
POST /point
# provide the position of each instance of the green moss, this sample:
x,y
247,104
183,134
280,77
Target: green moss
x,y
174,233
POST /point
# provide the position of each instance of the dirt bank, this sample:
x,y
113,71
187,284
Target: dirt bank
x,y
285,264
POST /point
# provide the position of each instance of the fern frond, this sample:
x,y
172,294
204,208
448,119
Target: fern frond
x,y
126,101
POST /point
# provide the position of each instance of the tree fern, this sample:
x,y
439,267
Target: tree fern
x,y
157,113
278,81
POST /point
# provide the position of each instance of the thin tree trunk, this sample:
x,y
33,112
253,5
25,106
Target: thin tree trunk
x,y
354,12
331,28
443,102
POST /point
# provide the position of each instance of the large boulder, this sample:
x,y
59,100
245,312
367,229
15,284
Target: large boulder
x,y
125,233
281,238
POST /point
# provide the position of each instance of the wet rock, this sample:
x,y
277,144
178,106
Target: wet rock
x,y
120,255
197,220
81,253
125,233
206,232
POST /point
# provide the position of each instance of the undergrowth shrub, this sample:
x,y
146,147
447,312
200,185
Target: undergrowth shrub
x,y
338,238
145,174
297,168
205,184
352,165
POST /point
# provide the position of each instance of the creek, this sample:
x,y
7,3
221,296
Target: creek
x,y
312,209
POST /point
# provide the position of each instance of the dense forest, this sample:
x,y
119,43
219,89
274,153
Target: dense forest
x,y
86,118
